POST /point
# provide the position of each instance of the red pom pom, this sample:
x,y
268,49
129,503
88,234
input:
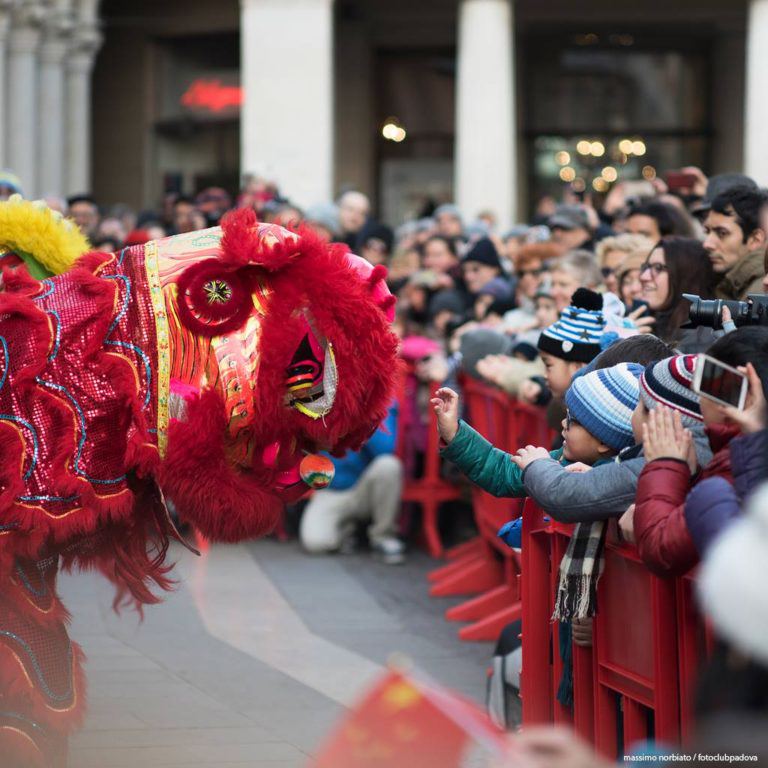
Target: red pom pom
x,y
379,272
245,241
212,300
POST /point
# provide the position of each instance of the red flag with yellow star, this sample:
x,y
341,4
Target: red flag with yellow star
x,y
407,723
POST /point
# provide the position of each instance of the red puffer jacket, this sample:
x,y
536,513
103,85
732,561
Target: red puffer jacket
x,y
662,536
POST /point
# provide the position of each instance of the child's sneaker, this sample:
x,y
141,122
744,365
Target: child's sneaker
x,y
389,550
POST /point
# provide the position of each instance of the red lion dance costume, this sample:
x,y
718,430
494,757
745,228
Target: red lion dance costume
x,y
202,367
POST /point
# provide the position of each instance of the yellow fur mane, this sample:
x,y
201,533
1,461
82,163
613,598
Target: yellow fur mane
x,y
34,229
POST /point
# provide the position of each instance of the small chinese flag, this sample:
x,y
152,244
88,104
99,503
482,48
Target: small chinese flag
x,y
404,723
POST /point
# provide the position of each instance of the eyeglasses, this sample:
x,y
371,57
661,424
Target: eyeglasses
x,y
606,271
569,420
654,266
521,273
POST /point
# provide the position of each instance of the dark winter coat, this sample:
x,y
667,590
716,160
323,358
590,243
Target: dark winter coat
x,y
661,533
714,503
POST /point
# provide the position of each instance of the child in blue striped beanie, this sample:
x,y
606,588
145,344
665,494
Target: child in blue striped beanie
x,y
570,343
598,422
602,403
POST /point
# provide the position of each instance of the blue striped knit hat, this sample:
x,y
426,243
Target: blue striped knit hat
x,y
603,401
576,333
669,382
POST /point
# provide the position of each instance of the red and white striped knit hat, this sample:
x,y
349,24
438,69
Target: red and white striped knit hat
x,y
669,383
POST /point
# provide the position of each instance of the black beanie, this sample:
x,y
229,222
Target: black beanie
x,y
483,251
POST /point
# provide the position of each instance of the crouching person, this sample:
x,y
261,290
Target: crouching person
x,y
367,487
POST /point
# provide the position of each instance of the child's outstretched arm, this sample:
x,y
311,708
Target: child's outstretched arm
x,y
490,468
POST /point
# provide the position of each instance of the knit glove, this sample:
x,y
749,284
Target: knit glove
x,y
511,533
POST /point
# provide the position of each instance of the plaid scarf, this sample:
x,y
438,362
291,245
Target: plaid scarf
x,y
580,569
582,564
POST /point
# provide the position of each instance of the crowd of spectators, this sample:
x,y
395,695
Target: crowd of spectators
x,y
580,310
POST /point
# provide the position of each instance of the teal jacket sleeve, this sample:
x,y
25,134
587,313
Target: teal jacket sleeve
x,y
490,468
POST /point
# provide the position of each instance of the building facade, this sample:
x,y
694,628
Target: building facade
x,y
492,103
47,51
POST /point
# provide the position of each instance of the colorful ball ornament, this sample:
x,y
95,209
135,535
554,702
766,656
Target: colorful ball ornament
x,y
317,471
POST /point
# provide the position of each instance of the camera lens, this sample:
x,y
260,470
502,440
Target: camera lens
x,y
708,312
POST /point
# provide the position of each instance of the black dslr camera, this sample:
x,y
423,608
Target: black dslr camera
x,y
753,311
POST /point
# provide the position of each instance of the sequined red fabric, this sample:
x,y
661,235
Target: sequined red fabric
x,y
41,679
78,398
78,395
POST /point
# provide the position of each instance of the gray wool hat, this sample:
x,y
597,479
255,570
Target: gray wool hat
x,y
447,209
569,217
479,343
324,214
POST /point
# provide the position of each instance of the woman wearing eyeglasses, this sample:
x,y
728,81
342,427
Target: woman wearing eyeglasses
x,y
675,266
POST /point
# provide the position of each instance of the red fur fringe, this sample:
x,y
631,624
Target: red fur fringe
x,y
132,555
18,280
241,248
221,502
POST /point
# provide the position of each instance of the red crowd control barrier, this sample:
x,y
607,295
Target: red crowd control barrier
x,y
636,652
536,682
695,645
544,544
635,682
430,490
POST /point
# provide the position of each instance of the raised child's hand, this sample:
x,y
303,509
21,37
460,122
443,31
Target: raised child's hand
x,y
446,405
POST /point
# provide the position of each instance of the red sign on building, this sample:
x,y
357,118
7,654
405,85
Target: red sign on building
x,y
212,96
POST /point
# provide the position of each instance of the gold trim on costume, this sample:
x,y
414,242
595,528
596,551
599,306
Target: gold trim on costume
x,y
163,346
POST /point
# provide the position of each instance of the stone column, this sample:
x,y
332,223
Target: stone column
x,y
287,125
486,145
21,142
56,29
85,41
5,24
756,105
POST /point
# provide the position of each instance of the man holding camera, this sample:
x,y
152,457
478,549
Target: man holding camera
x,y
735,241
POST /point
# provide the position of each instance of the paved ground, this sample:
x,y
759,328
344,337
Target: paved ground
x,y
254,657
